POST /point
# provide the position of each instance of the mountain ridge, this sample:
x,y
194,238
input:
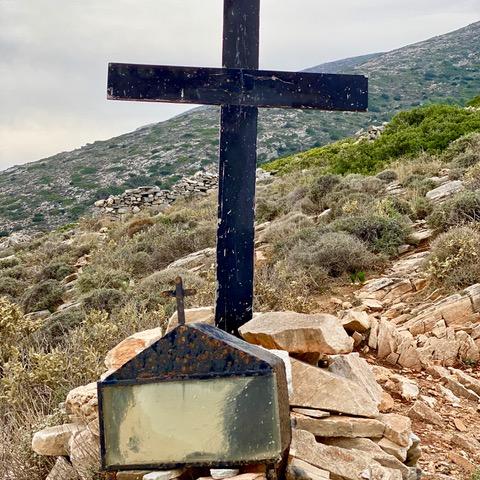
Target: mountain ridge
x,y
64,186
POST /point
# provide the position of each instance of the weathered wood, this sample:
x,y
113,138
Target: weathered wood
x,y
237,167
234,86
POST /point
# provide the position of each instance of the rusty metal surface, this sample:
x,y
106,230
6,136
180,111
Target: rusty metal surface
x,y
195,351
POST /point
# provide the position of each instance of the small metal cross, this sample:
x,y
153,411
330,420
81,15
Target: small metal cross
x,y
179,293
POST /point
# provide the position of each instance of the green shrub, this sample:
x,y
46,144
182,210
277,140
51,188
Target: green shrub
x,y
97,277
349,203
56,270
46,295
420,207
387,176
381,234
11,287
54,331
474,102
454,259
425,129
463,208
9,262
419,184
321,187
104,299
335,252
286,226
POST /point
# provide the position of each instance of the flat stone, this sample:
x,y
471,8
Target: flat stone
x,y
407,388
131,347
466,442
131,474
193,315
340,462
220,473
242,476
298,333
53,441
356,321
459,389
373,449
421,411
340,426
357,369
318,388
467,381
445,191
372,304
299,470
62,470
474,293
449,396
310,412
462,462
394,449
164,474
397,428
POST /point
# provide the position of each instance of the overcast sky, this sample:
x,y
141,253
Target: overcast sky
x,y
54,54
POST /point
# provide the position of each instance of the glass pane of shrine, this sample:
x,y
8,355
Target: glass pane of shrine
x,y
221,420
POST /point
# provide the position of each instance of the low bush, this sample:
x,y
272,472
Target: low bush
x,y
55,329
46,295
105,300
56,270
420,207
380,234
138,225
97,277
9,262
12,287
454,259
286,226
463,208
387,176
334,252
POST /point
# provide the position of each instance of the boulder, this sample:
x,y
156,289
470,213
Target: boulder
x,y
298,333
81,404
299,470
193,315
318,388
53,441
340,426
355,368
340,462
131,347
408,389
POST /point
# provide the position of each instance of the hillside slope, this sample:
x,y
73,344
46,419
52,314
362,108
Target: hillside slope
x,y
58,189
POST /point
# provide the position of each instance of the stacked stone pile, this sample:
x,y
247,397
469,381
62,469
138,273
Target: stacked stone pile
x,y
339,413
445,331
370,133
136,199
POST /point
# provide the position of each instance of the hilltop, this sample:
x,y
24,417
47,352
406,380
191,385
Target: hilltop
x,y
59,189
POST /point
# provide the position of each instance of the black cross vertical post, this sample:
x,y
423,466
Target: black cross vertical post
x,y
237,172
239,88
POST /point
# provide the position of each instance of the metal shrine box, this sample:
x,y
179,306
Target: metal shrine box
x,y
197,397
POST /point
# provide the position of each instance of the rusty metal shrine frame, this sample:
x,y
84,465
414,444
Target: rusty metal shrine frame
x,y
240,88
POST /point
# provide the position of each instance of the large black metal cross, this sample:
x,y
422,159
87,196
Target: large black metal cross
x,y
240,88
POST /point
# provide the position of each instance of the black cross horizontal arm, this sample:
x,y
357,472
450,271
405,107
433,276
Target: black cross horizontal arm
x,y
239,87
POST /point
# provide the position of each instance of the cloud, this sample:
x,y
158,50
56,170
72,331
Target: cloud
x,y
54,54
